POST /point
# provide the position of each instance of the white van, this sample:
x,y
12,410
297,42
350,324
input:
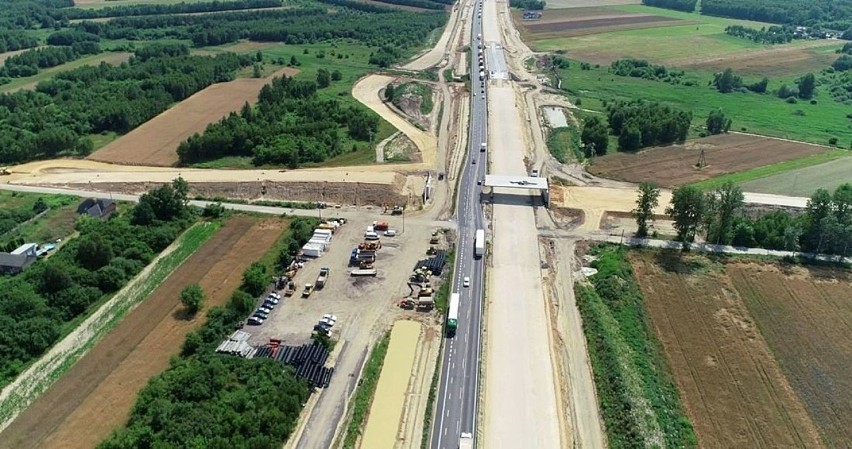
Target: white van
x,y
371,235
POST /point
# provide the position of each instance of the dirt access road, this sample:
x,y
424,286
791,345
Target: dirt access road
x,y
96,395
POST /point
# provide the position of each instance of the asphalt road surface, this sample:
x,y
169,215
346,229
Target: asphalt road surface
x,y
459,383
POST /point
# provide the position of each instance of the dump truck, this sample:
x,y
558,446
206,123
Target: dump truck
x,y
360,272
362,255
323,276
425,303
309,288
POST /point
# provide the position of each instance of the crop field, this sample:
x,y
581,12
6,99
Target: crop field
x,y
804,315
675,165
156,141
732,387
796,58
677,36
804,181
559,4
96,394
585,21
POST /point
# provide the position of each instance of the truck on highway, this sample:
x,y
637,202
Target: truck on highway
x,y
483,147
479,243
453,315
323,276
481,75
466,440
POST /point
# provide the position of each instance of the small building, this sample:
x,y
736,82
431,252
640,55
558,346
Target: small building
x,y
19,259
96,207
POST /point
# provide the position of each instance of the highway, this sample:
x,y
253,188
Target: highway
x,y
458,389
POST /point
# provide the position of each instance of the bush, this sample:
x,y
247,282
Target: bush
x,y
832,141
192,297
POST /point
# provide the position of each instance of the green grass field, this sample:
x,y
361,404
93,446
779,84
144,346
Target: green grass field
x,y
760,114
804,181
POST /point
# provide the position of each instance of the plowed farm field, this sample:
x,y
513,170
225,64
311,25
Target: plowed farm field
x,y
155,142
591,20
735,392
676,164
806,317
96,395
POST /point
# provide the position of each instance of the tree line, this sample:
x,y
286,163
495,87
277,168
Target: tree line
x,y
640,123
678,5
30,62
425,4
830,14
36,305
533,5
57,118
243,403
12,40
290,126
157,9
773,35
825,227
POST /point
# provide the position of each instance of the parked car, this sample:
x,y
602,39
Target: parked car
x,y
255,321
319,328
466,281
327,323
390,233
275,296
271,300
260,314
267,305
331,317
265,309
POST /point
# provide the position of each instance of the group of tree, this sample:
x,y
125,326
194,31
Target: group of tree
x,y
804,88
773,35
843,63
230,395
727,81
424,4
29,62
290,125
640,124
374,26
57,118
640,68
829,14
36,305
531,5
678,5
158,9
12,217
717,122
30,14
594,136
825,227
11,40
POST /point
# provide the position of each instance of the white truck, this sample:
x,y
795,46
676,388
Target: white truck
x,y
479,244
483,147
465,440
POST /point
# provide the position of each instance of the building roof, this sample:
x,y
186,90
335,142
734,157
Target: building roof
x,y
15,260
26,247
95,207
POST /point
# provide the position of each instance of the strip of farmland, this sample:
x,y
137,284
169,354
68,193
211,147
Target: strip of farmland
x,y
96,395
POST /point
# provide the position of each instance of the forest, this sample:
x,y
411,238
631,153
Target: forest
x,y
827,14
290,125
425,4
156,9
678,5
11,40
92,99
375,28
640,124
243,403
35,306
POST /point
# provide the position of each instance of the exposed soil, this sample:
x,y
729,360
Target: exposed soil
x,y
805,316
606,21
676,164
564,23
95,396
780,61
732,388
155,142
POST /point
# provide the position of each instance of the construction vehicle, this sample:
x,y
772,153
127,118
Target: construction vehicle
x,y
364,265
359,272
309,288
362,255
422,304
370,245
323,276
380,226
291,289
434,239
431,251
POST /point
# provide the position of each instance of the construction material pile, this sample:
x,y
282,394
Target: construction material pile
x,y
308,360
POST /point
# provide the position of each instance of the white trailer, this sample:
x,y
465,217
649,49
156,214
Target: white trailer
x,y
312,250
466,440
479,243
453,314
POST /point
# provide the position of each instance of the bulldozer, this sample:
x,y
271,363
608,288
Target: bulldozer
x,y
4,171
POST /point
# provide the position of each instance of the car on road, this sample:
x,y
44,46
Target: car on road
x,y
466,281
390,233
534,173
255,321
473,161
479,182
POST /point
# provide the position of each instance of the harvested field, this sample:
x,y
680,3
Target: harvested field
x,y
675,165
553,4
805,316
734,391
797,58
95,396
156,141
597,25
